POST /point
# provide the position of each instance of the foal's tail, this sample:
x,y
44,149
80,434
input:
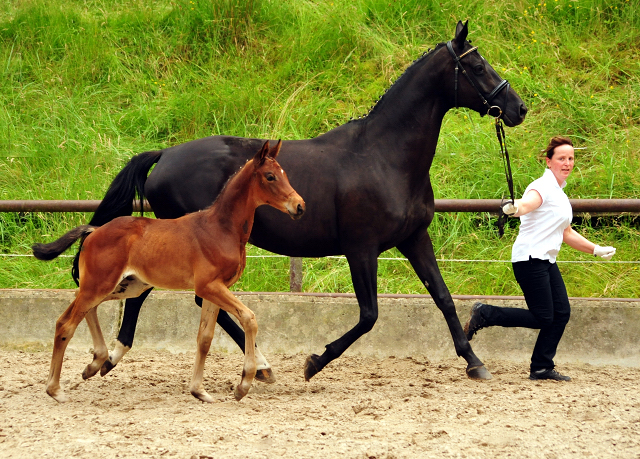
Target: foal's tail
x,y
118,201
53,249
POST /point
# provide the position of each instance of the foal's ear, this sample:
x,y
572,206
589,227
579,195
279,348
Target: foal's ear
x,y
461,33
275,150
258,159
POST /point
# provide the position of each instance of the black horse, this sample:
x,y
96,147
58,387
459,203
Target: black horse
x,y
366,184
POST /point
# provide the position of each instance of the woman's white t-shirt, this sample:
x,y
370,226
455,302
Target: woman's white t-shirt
x,y
541,230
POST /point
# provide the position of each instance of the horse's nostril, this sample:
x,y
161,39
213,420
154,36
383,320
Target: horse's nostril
x,y
300,209
523,110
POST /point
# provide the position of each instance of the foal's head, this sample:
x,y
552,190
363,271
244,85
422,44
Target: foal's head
x,y
274,187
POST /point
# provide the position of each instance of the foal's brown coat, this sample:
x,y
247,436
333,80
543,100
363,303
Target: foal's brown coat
x,y
204,251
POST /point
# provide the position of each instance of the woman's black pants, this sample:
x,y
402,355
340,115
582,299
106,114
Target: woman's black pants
x,y
549,310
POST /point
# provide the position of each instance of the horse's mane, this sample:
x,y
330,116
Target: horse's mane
x,y
224,187
423,58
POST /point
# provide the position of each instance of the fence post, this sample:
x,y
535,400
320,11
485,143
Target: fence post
x,y
295,274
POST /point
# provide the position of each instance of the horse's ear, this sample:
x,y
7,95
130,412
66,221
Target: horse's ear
x,y
275,150
258,159
461,33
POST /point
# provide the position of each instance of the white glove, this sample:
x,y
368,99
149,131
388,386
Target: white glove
x,y
510,209
605,252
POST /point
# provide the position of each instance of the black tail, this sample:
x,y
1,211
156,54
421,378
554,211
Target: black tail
x,y
128,184
53,249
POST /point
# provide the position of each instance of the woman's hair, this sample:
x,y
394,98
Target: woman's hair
x,y
556,141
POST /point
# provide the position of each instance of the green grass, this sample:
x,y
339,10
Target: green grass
x,y
86,84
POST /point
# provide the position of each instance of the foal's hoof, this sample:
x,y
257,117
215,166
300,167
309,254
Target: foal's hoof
x,y
89,372
107,366
238,393
202,395
59,396
311,366
265,376
479,372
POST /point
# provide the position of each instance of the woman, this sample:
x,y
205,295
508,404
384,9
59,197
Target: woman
x,y
545,223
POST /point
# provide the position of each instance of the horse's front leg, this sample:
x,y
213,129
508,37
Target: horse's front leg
x,y
219,294
419,251
364,269
208,319
265,372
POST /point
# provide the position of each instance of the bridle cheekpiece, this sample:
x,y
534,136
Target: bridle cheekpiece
x,y
472,81
497,114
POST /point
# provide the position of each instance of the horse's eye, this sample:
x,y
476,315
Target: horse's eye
x,y
270,177
478,69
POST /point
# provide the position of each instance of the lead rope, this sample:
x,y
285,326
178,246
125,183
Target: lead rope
x,y
502,219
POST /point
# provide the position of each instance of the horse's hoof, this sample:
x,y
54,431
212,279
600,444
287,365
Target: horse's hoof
x,y
238,393
479,372
88,372
107,366
265,376
311,366
59,396
202,395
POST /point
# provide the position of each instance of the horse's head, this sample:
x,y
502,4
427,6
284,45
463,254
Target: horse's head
x,y
478,86
274,187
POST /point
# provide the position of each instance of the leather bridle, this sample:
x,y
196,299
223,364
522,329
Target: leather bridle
x,y
486,100
492,110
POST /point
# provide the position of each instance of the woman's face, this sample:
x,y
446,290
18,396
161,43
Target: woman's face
x,y
561,163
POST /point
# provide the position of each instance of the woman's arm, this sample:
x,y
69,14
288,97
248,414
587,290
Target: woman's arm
x,y
576,240
529,202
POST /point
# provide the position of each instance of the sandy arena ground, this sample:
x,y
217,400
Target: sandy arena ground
x,y
356,408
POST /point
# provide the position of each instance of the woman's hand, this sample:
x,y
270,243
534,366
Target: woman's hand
x,y
604,252
576,240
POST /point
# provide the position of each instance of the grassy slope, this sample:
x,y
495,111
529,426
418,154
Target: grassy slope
x,y
88,84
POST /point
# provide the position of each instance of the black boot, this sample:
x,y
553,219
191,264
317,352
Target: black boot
x,y
548,373
476,322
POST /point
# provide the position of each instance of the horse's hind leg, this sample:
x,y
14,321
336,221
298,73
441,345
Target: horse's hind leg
x,y
100,351
264,373
208,318
127,331
65,328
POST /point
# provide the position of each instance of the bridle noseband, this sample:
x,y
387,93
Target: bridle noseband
x,y
499,128
472,81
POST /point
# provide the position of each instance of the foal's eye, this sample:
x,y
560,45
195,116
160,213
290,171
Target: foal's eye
x,y
270,177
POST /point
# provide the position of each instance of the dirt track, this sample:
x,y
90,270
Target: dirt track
x,y
356,408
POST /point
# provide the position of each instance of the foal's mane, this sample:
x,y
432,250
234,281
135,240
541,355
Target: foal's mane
x,y
422,59
226,184
224,188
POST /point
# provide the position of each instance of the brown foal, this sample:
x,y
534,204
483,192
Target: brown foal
x,y
204,251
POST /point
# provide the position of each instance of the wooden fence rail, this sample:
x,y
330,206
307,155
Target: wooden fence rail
x,y
591,206
581,206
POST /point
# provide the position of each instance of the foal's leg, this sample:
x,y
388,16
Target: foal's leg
x,y
219,294
100,351
65,328
265,373
208,318
419,251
